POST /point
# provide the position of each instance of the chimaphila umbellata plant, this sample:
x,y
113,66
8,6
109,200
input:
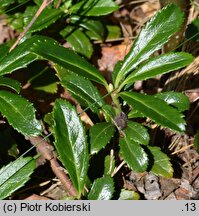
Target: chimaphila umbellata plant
x,y
74,144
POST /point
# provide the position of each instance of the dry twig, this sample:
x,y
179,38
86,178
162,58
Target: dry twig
x,y
46,150
41,8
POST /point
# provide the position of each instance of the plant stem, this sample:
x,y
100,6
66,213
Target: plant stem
x,y
114,95
116,102
47,152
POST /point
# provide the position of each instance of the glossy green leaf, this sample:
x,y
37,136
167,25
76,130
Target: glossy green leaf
x,y
162,165
138,133
20,113
94,7
96,30
15,175
102,189
20,57
10,83
196,141
160,65
109,112
45,80
78,40
50,50
81,89
4,48
129,195
66,5
177,99
40,47
132,152
46,18
70,142
155,109
135,114
100,135
109,164
155,34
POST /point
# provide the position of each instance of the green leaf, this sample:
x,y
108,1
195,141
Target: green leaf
x,y
131,151
177,99
114,32
70,142
19,113
102,189
16,22
160,65
152,37
48,118
81,89
109,164
45,80
196,141
135,114
20,57
78,40
50,50
162,165
46,18
94,7
155,109
109,112
22,1
10,83
41,47
129,195
4,49
100,135
137,133
96,29
15,175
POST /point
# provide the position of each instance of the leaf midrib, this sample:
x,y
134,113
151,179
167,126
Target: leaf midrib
x,y
73,158
134,75
135,156
16,110
101,132
51,54
173,123
86,94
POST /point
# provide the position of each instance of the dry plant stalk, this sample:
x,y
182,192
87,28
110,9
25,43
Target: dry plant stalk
x,y
46,150
41,8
